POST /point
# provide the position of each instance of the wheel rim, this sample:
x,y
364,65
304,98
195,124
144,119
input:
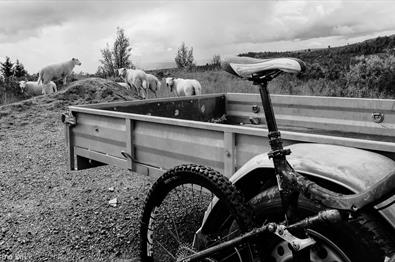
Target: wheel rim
x,y
323,251
174,222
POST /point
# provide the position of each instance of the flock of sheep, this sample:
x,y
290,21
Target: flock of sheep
x,y
133,78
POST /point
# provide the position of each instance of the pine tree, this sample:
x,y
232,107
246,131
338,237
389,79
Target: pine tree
x,y
6,68
19,69
121,50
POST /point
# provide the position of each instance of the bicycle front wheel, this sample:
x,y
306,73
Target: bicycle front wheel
x,y
174,209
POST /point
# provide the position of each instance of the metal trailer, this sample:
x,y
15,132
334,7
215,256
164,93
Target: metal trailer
x,y
349,142
162,133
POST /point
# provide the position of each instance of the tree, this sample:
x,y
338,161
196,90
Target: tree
x,y
184,58
6,68
107,67
121,50
117,57
19,69
216,61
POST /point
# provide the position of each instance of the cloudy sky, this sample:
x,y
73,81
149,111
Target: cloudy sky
x,y
44,32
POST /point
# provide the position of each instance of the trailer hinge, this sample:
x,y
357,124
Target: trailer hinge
x,y
69,119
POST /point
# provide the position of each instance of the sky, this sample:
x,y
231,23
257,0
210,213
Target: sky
x,y
39,33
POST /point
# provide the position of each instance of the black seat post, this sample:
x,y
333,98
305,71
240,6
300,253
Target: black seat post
x,y
274,135
267,107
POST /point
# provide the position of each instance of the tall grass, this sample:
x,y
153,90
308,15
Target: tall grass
x,y
222,82
212,82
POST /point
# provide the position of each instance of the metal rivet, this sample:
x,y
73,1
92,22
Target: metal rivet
x,y
377,117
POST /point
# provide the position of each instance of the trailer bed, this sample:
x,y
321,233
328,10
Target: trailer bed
x,y
220,130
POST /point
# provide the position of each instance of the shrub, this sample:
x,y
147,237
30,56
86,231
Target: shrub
x,y
372,76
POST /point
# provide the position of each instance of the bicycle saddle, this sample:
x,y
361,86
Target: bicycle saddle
x,y
246,67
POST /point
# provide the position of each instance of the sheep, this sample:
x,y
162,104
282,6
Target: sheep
x,y
136,78
57,71
34,89
153,84
49,88
184,87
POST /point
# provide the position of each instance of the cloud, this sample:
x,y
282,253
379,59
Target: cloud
x,y
51,31
22,19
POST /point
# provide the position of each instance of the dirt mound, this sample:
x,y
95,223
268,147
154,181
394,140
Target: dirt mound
x,y
93,90
85,91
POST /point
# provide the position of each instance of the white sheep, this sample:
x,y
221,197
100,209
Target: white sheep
x,y
153,84
34,89
57,71
136,78
184,87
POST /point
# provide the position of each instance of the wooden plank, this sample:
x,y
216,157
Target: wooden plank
x,y
229,154
100,157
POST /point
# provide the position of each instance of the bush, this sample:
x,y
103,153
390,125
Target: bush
x,y
9,91
372,76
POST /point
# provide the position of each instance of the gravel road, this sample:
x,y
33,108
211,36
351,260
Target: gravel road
x,y
48,213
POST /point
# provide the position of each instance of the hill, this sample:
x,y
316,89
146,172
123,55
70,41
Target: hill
x,y
339,55
365,69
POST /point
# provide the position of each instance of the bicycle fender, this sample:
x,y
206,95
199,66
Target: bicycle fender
x,y
350,168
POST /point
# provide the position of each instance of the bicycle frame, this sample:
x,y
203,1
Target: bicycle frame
x,y
291,183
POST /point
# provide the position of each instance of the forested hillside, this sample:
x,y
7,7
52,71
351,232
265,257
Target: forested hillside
x,y
365,69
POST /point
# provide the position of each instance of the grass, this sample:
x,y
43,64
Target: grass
x,y
222,82
218,81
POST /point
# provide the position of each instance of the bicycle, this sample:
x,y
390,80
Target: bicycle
x,y
299,218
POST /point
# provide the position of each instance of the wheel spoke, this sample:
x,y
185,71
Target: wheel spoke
x,y
174,223
175,233
167,251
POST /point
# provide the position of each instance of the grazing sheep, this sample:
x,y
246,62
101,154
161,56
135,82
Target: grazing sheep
x,y
34,89
49,88
136,78
153,84
57,71
184,87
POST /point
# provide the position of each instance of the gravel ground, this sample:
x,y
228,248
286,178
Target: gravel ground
x,y
48,213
